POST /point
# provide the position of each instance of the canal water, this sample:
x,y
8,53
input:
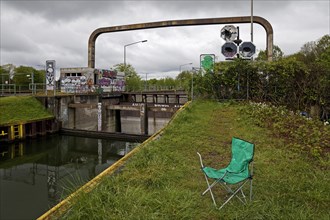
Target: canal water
x,y
36,174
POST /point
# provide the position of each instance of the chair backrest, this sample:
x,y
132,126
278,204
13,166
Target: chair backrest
x,y
242,155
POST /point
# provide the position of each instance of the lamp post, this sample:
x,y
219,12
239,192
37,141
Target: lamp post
x,y
146,83
180,69
43,68
141,41
32,82
184,65
194,69
251,20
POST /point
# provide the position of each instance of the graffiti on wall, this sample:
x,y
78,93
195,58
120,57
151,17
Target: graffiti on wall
x,y
110,80
79,84
50,74
50,81
82,80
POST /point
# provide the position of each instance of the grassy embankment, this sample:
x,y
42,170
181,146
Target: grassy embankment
x,y
17,110
163,180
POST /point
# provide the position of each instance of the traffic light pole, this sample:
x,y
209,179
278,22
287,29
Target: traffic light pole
x,y
238,41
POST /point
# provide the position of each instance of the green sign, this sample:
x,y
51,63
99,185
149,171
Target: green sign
x,y
207,61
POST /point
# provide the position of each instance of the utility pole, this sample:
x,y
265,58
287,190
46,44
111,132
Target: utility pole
x,y
251,20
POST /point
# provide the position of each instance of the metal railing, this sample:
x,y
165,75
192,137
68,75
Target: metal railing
x,y
13,89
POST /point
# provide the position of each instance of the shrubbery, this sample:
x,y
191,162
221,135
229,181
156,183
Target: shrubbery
x,y
300,133
300,81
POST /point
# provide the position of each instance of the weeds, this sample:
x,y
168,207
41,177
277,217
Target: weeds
x,y
299,133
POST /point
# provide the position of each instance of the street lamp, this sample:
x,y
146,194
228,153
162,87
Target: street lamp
x,y
180,69
32,82
194,69
146,83
184,65
141,41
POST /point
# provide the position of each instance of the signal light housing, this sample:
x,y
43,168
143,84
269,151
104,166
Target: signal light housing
x,y
229,33
247,50
229,49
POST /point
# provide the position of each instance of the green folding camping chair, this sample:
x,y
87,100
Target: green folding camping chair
x,y
235,175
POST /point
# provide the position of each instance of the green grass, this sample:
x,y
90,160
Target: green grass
x,y
16,110
163,180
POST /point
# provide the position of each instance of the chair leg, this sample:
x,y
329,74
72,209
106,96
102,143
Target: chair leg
x,y
234,194
209,189
229,190
251,190
210,186
243,196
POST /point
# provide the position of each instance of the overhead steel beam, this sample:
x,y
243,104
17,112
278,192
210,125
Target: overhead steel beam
x,y
177,23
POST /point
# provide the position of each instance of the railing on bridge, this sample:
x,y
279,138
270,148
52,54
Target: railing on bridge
x,y
13,89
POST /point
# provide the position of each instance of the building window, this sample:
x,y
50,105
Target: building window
x,y
73,74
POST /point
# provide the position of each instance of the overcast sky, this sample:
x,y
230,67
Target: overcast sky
x,y
35,31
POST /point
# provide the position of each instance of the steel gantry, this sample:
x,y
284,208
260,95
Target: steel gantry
x,y
177,23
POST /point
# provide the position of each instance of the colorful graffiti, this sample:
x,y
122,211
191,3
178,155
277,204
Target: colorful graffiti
x,y
82,80
110,80
77,82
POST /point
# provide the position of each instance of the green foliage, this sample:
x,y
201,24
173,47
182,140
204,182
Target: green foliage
x,y
133,83
277,54
4,75
300,81
203,85
162,84
299,133
133,80
15,110
23,75
184,80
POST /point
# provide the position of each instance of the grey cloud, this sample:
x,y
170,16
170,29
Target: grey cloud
x,y
33,31
58,10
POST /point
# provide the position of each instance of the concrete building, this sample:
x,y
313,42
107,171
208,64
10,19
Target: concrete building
x,y
85,79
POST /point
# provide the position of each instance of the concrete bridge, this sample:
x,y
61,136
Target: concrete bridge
x,y
133,113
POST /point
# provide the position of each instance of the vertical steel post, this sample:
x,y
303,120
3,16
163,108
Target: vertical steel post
x,y
251,20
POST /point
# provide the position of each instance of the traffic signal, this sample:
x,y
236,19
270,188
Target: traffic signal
x,y
247,50
229,33
229,49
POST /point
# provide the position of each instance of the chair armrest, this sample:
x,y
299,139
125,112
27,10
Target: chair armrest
x,y
200,159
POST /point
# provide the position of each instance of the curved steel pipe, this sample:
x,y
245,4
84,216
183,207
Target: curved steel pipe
x,y
176,23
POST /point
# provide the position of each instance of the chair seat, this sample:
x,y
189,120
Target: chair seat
x,y
230,178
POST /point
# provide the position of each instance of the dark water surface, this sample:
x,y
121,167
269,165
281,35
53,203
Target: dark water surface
x,y
36,174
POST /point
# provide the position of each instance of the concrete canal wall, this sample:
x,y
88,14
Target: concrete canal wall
x,y
129,113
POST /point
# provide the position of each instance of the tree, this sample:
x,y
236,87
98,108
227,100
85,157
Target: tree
x,y
23,76
316,55
277,54
132,79
184,80
4,75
